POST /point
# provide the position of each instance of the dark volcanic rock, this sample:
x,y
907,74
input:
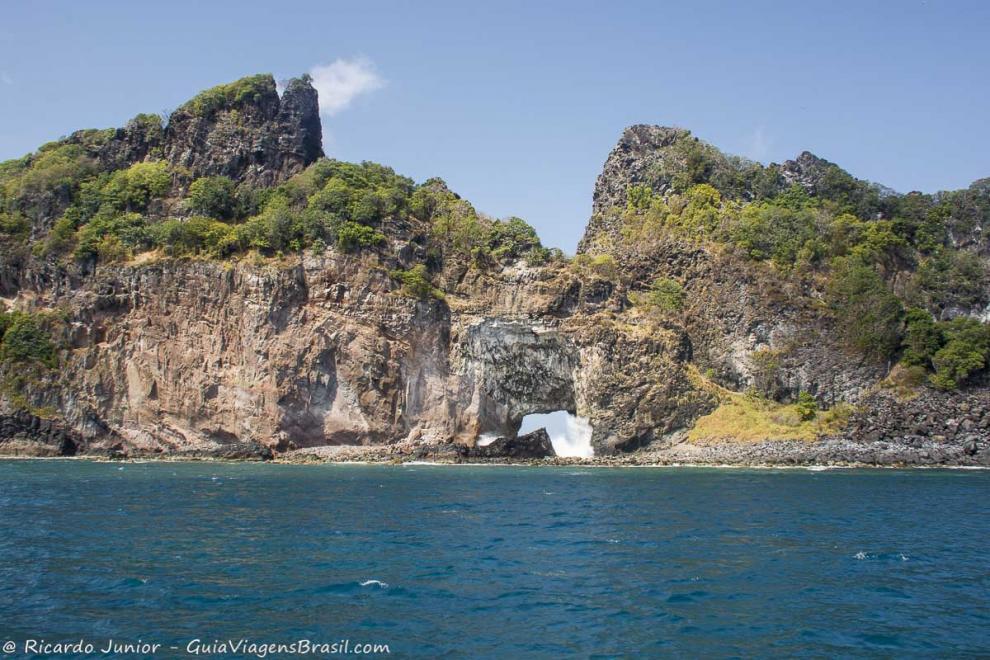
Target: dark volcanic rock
x,y
24,434
945,424
262,140
242,451
141,139
532,445
807,171
638,159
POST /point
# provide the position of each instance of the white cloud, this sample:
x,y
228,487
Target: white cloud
x,y
757,145
5,78
341,81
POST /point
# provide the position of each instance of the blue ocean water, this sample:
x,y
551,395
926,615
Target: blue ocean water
x,y
450,561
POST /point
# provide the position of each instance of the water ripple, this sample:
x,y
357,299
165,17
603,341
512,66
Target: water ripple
x,y
489,562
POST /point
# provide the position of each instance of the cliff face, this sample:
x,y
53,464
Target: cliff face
x,y
734,309
319,350
351,307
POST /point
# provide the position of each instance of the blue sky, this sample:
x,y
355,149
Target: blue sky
x,y
517,104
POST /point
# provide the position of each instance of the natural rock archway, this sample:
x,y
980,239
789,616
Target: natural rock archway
x,y
569,434
509,369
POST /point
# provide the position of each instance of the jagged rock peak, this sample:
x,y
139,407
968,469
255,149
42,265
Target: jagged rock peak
x,y
245,131
641,157
300,106
638,151
668,160
807,170
242,130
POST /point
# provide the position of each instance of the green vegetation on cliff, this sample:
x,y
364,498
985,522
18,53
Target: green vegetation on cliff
x,y
869,254
953,350
111,216
55,170
666,294
250,89
25,340
214,196
416,283
28,355
106,196
868,314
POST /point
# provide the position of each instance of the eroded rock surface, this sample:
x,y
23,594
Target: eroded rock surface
x,y
324,348
263,140
533,445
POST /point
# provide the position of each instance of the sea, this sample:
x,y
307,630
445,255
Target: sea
x,y
197,559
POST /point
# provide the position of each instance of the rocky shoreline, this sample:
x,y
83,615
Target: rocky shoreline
x,y
930,429
830,452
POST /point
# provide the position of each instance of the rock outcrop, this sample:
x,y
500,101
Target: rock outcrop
x,y
943,419
533,445
24,434
177,356
644,156
255,137
326,347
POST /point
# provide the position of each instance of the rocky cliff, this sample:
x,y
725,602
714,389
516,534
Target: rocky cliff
x,y
246,131
208,284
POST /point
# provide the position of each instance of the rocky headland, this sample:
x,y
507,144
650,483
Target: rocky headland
x,y
210,285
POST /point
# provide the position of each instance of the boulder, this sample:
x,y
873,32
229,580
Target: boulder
x,y
532,445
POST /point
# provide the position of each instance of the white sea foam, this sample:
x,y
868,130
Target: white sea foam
x,y
486,439
883,556
570,435
377,583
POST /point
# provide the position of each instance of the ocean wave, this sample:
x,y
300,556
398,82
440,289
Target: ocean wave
x,y
888,556
377,583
